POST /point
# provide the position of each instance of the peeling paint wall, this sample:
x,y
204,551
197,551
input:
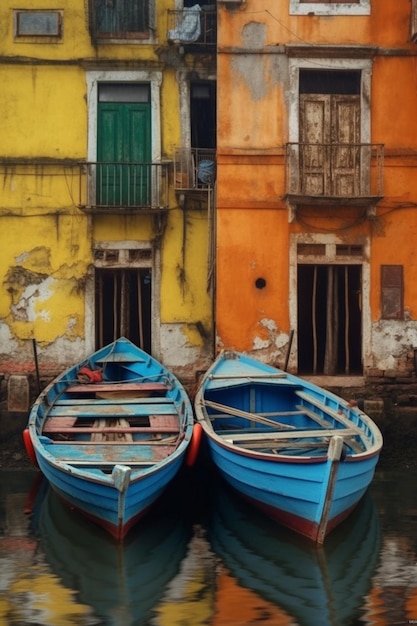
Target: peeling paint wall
x,y
261,48
47,263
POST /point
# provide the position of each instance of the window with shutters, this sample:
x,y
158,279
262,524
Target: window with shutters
x,y
330,7
392,292
121,19
329,160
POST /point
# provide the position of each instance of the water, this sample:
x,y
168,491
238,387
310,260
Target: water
x,y
203,557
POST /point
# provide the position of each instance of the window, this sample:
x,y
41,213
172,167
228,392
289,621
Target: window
x,y
330,7
392,292
45,24
329,1
120,19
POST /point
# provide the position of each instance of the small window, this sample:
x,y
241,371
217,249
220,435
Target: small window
x,y
311,249
38,24
392,292
121,19
329,1
330,7
348,250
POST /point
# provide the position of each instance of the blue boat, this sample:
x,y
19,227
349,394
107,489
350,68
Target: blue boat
x,y
298,452
110,433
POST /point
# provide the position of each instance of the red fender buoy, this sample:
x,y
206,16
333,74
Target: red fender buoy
x,y
30,451
194,445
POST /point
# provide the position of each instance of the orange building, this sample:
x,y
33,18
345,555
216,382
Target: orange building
x,y
317,185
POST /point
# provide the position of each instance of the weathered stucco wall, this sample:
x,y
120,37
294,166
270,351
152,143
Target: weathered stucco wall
x,y
47,242
258,48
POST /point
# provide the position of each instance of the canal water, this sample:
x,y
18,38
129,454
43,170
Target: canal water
x,y
203,557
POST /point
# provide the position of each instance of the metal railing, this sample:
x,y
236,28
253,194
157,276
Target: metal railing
x,y
194,168
335,170
190,27
125,185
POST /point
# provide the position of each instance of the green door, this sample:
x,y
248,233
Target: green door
x,y
124,151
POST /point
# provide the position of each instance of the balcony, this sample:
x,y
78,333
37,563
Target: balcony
x,y
334,174
194,169
195,28
127,187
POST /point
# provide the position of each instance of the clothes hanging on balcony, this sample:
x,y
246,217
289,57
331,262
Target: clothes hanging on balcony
x,y
205,172
188,28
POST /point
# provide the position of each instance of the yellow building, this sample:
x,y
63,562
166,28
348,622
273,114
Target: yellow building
x,y
105,218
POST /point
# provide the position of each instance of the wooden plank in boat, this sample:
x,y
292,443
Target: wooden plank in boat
x,y
92,411
163,441
292,434
301,445
115,387
102,454
290,445
268,414
266,376
158,424
254,417
115,400
316,418
105,464
339,417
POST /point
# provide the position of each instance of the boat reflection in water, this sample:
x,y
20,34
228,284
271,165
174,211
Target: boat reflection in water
x,y
121,583
312,584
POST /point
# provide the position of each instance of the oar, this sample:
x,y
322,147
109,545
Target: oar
x,y
250,416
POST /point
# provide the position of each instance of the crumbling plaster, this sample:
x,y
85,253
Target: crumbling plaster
x,y
392,341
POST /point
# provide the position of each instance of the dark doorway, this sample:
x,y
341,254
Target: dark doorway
x,y
329,319
123,306
203,114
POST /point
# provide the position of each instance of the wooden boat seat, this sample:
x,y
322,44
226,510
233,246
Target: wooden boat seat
x,y
114,410
119,387
162,424
289,434
113,400
103,455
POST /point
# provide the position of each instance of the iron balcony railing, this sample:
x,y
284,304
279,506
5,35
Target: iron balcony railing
x,y
344,170
125,185
194,168
193,26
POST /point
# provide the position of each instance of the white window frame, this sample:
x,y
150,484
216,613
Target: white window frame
x,y
346,8
330,258
94,78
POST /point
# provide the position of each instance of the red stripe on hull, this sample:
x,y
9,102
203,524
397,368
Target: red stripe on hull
x,y
118,532
298,524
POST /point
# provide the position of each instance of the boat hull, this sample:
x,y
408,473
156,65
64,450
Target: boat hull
x,y
308,480
292,493
102,503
